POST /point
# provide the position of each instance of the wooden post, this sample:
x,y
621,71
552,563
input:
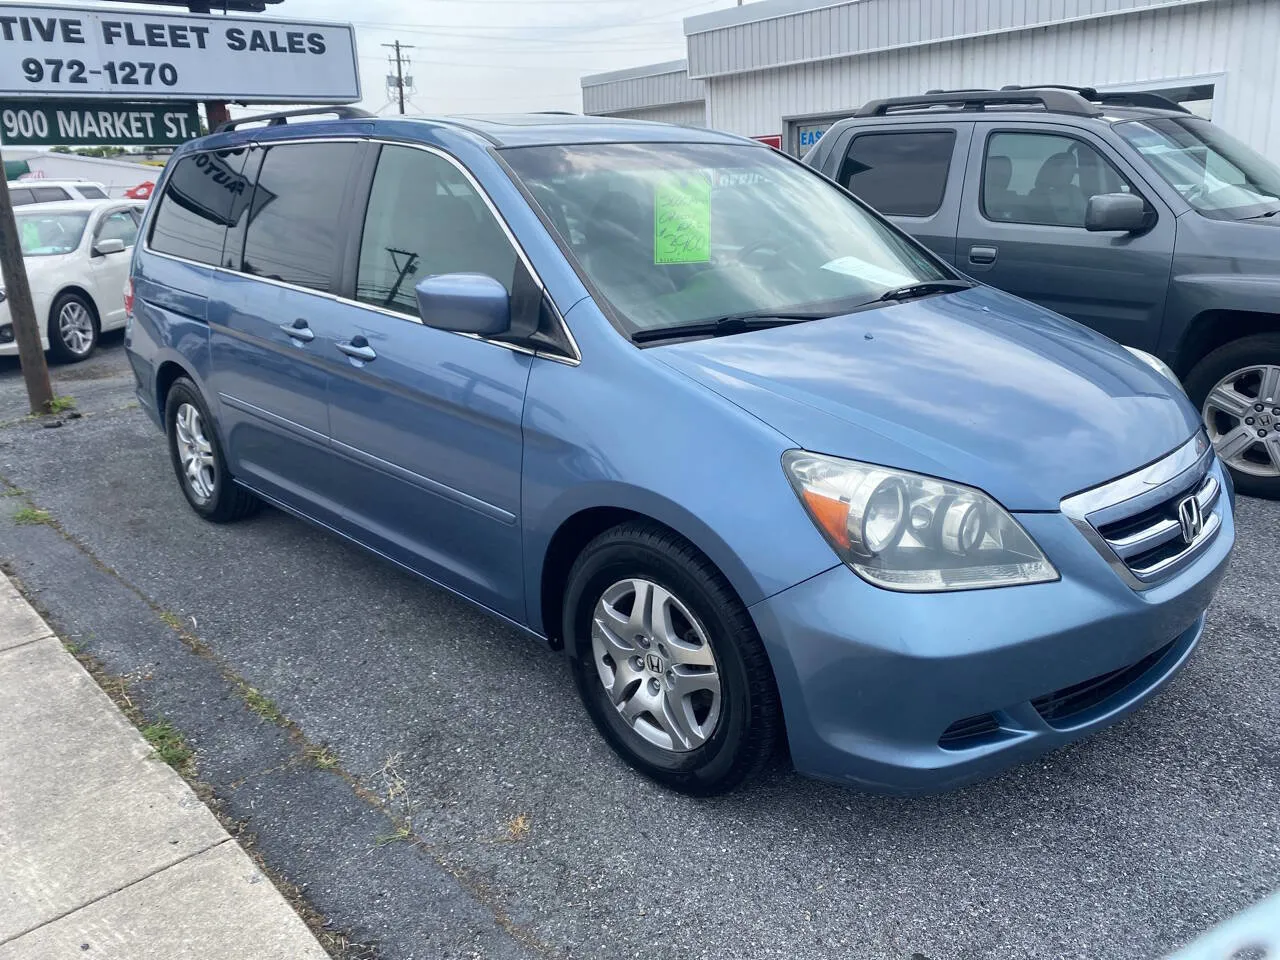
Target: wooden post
x,y
22,312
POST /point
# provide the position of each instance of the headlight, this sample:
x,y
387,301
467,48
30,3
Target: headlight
x,y
904,531
1156,364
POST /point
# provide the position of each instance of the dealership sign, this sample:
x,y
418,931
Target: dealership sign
x,y
74,52
92,123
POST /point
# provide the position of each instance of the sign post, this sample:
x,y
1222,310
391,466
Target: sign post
x,y
22,312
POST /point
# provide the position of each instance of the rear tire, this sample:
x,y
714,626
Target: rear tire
x,y
198,460
1227,386
72,328
690,699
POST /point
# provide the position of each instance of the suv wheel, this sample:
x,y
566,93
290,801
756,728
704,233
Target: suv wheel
x,y
1237,388
198,460
73,328
668,661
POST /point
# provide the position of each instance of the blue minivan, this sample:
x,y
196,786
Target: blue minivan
x,y
763,466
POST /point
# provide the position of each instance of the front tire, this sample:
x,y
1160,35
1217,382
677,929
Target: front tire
x,y
668,662
198,460
73,328
1237,389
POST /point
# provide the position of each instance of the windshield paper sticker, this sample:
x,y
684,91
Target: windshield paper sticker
x,y
682,220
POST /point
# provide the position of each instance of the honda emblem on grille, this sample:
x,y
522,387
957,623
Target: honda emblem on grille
x,y
1190,518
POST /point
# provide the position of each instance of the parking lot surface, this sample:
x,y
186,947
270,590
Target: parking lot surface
x,y
438,792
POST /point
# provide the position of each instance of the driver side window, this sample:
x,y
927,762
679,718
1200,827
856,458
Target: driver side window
x,y
1044,179
119,226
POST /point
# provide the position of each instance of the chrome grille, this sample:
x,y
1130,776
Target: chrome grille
x,y
1135,521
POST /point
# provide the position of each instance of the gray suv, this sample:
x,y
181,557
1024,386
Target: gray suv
x,y
1120,210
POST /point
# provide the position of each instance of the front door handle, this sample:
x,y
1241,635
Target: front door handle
x,y
357,348
298,330
982,254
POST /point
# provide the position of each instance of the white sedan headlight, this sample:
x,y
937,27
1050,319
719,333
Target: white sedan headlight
x,y
905,531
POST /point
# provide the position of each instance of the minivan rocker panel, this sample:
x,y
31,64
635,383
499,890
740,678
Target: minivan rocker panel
x,y
789,480
977,387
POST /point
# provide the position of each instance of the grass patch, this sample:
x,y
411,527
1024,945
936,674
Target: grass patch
x,y
169,745
60,404
30,515
518,827
402,834
12,492
320,757
171,620
258,702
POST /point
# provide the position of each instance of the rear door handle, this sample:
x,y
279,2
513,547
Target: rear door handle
x,y
982,254
298,330
357,348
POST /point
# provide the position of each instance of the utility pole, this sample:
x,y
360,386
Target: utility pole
x,y
22,312
398,46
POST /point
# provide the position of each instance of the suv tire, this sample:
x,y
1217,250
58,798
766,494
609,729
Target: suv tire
x,y
1237,370
703,639
198,460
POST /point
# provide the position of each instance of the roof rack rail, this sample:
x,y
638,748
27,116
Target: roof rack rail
x,y
1115,98
282,118
1053,100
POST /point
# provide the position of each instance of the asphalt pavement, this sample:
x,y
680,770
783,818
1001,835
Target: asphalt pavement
x,y
434,789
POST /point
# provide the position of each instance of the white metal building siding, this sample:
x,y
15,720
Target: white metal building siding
x,y
684,114
1236,39
716,46
641,89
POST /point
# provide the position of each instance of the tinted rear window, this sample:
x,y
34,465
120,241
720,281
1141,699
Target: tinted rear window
x,y
92,193
294,233
196,207
20,198
900,174
49,194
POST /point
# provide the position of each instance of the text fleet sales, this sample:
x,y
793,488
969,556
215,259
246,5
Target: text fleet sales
x,y
173,35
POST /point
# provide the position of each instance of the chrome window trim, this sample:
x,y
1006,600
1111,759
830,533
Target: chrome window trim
x,y
572,361
1196,455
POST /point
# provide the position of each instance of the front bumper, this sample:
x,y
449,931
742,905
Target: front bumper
x,y
871,680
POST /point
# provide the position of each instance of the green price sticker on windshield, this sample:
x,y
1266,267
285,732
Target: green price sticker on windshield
x,y
682,220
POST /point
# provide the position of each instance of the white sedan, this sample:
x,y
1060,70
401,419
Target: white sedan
x,y
77,255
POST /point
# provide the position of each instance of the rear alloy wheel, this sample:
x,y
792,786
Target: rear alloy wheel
x,y
197,458
73,328
668,661
1238,390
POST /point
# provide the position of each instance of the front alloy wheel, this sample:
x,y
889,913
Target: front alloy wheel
x,y
668,661
656,665
73,329
198,460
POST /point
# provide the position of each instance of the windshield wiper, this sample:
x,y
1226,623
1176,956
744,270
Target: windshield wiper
x,y
725,326
926,289
1265,213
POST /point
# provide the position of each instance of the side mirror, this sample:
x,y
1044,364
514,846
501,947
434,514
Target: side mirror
x,y
464,303
1124,212
104,247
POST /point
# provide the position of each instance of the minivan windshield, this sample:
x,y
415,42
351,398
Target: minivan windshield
x,y
50,234
678,233
1215,173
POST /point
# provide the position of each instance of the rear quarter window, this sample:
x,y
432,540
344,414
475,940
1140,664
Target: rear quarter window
x,y
92,193
196,207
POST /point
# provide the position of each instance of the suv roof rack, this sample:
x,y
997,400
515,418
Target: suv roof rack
x,y
1052,99
282,118
1115,98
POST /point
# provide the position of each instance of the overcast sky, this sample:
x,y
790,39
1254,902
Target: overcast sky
x,y
484,56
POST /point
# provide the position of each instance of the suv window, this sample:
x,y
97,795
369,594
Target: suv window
x,y
425,218
294,232
900,174
20,197
49,194
195,209
119,226
91,193
1044,178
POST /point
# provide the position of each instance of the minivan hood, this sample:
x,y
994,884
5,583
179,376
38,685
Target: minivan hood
x,y
977,387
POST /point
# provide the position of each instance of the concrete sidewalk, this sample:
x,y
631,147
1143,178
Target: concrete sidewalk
x,y
105,852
